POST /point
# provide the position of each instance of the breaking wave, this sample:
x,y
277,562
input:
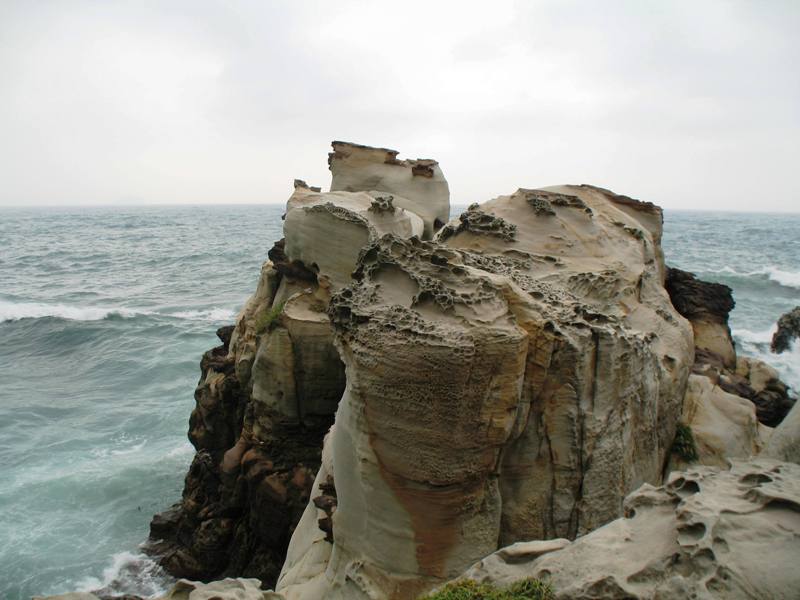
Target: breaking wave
x,y
128,571
756,344
789,279
15,311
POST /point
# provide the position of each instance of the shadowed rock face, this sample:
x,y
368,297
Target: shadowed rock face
x,y
788,331
707,533
512,379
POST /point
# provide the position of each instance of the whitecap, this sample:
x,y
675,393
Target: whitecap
x,y
181,451
756,344
784,278
129,573
754,337
14,311
211,314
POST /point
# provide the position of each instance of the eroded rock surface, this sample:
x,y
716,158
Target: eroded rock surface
x,y
417,185
514,379
706,534
268,394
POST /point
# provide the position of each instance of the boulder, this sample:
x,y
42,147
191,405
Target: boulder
x,y
723,425
784,444
788,331
708,533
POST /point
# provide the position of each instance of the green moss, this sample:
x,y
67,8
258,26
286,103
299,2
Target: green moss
x,y
526,589
267,320
684,445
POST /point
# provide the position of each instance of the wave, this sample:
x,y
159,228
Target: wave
x,y
756,344
211,314
789,279
15,311
128,573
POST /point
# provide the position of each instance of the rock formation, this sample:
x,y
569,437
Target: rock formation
x,y
514,378
268,394
707,306
708,533
417,185
788,331
508,376
784,443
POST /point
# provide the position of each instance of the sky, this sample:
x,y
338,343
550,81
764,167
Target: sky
x,y
688,104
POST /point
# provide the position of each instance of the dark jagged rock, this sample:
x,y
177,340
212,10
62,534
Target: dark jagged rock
x,y
788,330
289,268
707,306
695,298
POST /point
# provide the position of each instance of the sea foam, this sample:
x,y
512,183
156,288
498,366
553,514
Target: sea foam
x,y
128,571
14,311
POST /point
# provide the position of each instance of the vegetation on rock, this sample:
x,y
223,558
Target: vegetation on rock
x,y
684,445
526,589
268,319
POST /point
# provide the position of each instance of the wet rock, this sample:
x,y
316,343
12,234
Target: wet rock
x,y
788,331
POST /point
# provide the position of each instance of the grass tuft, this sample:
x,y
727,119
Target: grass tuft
x,y
267,320
684,445
526,589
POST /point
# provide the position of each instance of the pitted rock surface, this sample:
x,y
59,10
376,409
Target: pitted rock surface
x,y
706,534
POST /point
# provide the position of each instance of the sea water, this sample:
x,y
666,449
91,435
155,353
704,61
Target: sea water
x,y
104,314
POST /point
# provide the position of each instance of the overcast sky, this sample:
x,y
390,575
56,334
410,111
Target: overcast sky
x,y
690,104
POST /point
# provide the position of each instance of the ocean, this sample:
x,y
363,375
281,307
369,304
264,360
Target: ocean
x,y
104,314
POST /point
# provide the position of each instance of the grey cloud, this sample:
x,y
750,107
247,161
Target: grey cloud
x,y
685,104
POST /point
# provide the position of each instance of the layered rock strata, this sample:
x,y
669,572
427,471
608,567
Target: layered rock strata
x,y
513,379
708,533
268,394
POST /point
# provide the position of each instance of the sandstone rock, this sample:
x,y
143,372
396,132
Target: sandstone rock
x,y
226,589
706,534
327,231
760,383
513,380
784,444
788,331
707,306
724,426
267,396
69,596
418,185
